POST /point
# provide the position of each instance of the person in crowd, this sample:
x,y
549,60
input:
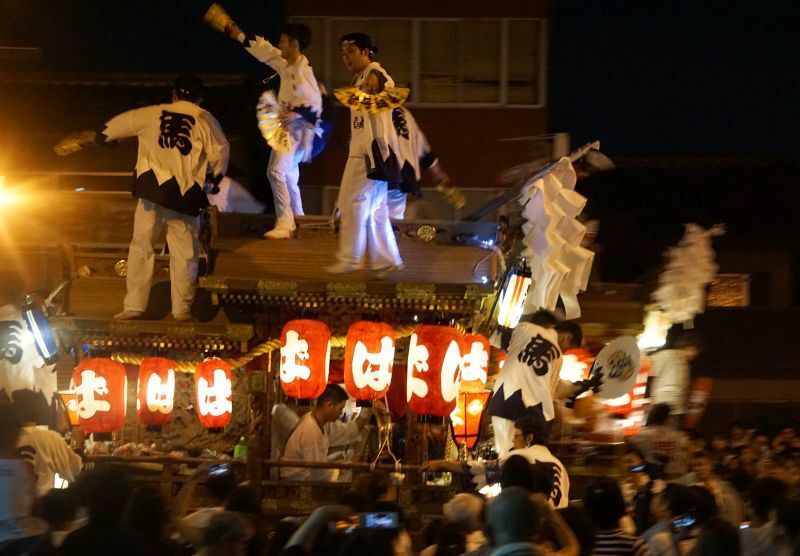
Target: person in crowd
x,y
285,416
527,445
19,530
728,501
227,534
788,520
309,441
220,483
104,492
662,446
671,508
147,517
466,510
580,522
717,536
670,372
760,537
570,335
58,508
245,501
301,100
47,450
639,484
606,506
513,522
181,148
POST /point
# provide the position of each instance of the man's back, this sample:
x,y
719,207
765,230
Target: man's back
x,y
179,144
50,454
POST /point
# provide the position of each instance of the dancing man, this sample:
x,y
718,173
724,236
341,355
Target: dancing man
x,y
181,148
300,97
366,231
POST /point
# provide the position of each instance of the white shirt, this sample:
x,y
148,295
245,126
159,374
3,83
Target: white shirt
x,y
366,128
50,454
21,366
284,420
179,140
299,87
670,374
310,443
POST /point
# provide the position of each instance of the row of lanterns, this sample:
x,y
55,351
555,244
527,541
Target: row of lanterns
x,y
442,363
100,388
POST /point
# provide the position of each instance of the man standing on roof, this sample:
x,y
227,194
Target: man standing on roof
x,y
300,96
181,148
366,234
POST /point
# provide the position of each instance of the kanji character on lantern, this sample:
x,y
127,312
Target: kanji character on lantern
x,y
156,397
434,370
369,357
305,358
100,387
214,392
475,363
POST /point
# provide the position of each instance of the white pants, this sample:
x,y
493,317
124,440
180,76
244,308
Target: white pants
x,y
283,172
503,435
396,200
183,233
366,229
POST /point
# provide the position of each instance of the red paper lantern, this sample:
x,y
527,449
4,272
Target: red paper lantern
x,y
576,364
434,370
156,397
305,358
101,392
368,360
214,385
474,363
466,417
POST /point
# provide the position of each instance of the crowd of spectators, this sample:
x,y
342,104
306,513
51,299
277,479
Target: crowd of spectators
x,y
676,494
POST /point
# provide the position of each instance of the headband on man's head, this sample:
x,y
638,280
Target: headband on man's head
x,y
362,41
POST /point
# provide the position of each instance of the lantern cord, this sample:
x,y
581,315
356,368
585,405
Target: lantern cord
x,y
264,348
385,444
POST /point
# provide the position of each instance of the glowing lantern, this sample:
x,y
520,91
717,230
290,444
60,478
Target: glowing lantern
x,y
70,405
214,384
156,396
576,364
631,405
305,358
434,370
497,358
512,297
101,392
474,363
368,360
466,417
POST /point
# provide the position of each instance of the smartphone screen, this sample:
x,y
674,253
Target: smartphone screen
x,y
380,520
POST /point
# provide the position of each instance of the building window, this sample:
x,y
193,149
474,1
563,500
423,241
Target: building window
x,y
444,61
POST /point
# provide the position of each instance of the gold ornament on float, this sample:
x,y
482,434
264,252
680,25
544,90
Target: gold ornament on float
x,y
356,99
268,112
121,268
426,233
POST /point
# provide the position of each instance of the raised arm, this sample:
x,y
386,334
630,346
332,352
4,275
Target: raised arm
x,y
263,51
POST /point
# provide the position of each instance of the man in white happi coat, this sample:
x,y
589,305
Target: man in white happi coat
x,y
415,156
181,146
366,235
300,97
528,380
21,366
